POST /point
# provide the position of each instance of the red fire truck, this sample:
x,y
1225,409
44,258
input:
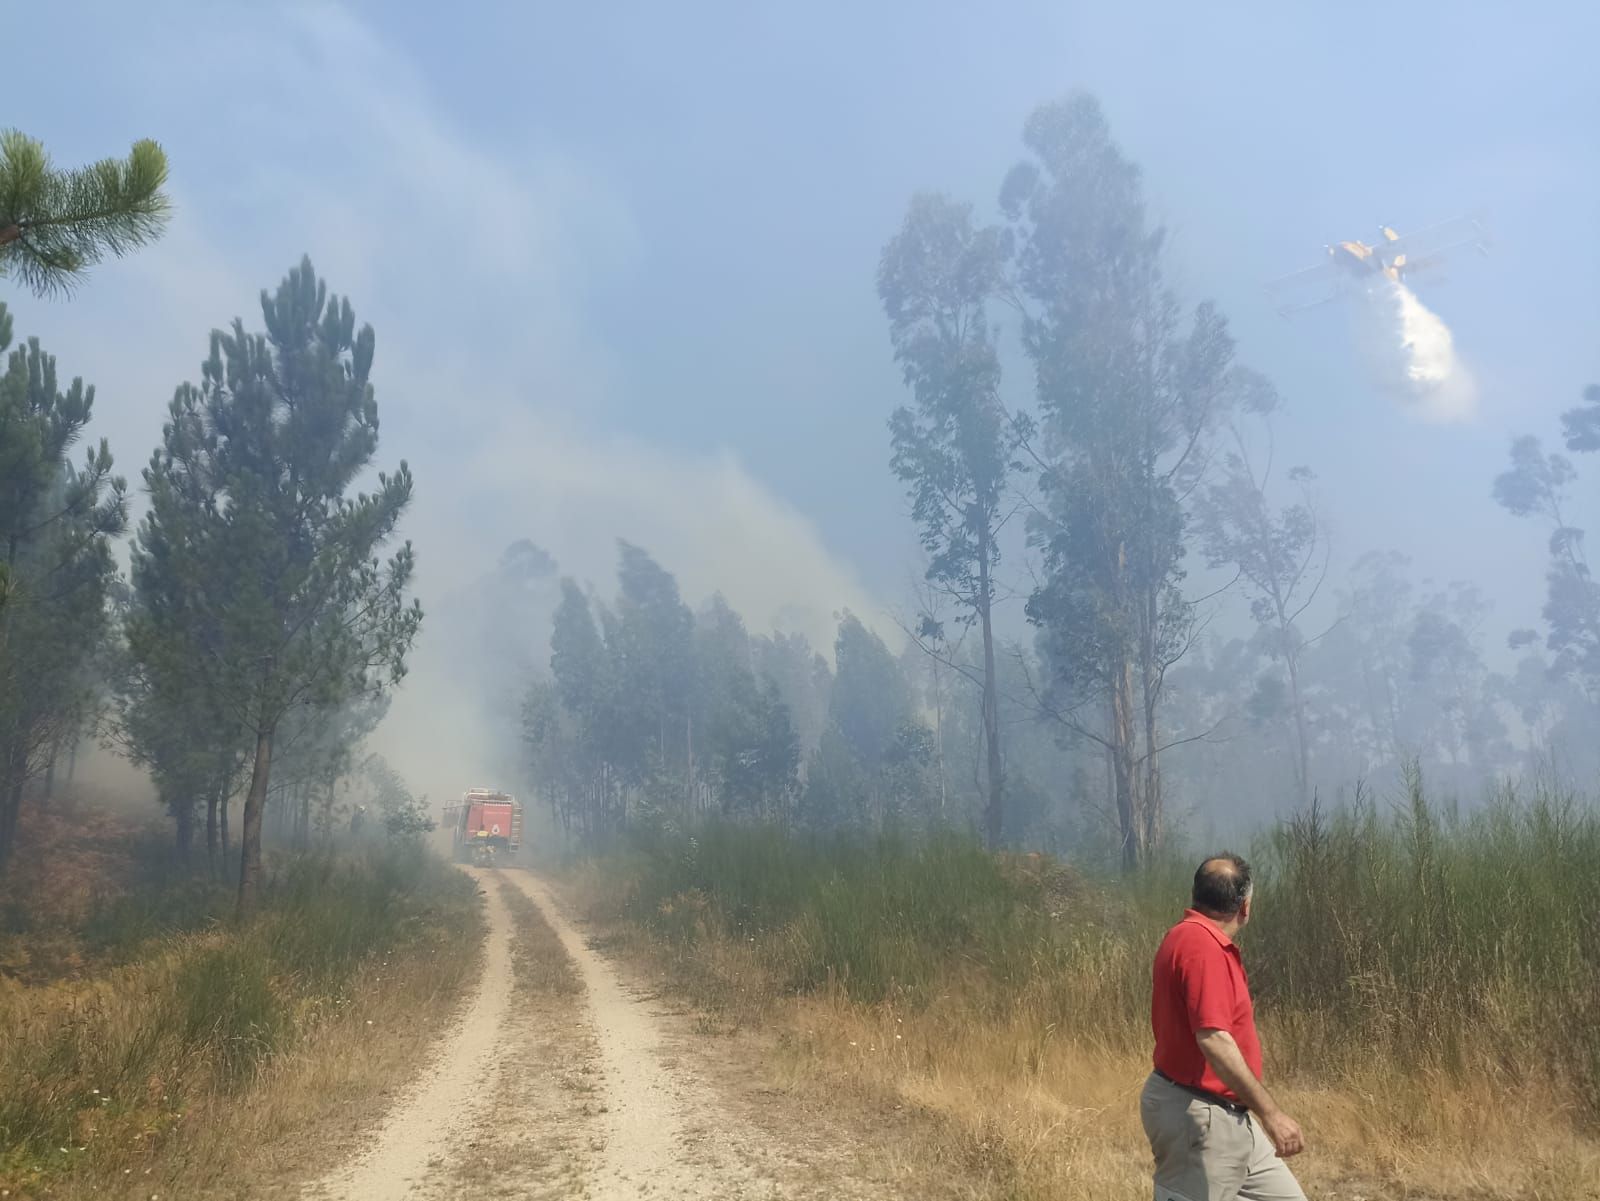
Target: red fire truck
x,y
484,825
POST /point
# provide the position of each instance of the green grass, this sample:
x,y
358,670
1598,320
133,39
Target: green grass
x,y
1437,939
118,928
881,918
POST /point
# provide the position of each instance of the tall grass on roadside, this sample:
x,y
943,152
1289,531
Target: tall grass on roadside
x,y
880,918
1463,945
100,1072
1438,941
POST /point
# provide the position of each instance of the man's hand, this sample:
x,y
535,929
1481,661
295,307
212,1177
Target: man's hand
x,y
1284,1132
1223,1054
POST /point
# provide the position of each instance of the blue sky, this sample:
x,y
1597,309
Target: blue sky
x,y
620,258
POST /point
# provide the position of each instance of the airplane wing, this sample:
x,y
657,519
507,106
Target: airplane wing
x,y
1425,266
1291,309
1429,243
1307,289
1322,273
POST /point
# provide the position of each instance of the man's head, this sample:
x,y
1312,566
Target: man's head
x,y
1222,889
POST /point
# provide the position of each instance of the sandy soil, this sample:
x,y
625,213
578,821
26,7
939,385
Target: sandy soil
x,y
440,1111
608,1095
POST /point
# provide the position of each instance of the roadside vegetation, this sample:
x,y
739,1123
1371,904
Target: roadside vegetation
x,y
1427,985
163,1049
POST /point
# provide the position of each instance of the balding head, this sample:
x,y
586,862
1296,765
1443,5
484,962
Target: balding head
x,y
1222,886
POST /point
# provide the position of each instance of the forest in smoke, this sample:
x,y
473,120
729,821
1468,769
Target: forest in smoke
x,y
1187,663
1127,630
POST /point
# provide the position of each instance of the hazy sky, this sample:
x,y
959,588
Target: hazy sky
x,y
620,258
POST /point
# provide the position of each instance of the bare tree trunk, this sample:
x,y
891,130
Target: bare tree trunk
x,y
938,741
250,838
183,818
1150,825
10,810
212,803
1124,771
1302,739
331,797
1150,799
994,811
1150,676
1124,735
227,845
1111,780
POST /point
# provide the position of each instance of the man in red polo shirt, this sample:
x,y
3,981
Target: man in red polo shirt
x,y
1216,1132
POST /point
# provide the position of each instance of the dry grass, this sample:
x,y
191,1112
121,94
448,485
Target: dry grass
x,y
1028,1070
540,962
65,895
1051,1113
234,1062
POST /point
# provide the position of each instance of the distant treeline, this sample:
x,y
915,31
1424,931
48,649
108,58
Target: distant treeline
x,y
1137,450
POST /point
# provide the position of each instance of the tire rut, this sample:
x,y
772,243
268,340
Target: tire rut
x,y
442,1108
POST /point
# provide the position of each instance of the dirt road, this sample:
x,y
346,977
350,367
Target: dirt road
x,y
605,1094
437,1113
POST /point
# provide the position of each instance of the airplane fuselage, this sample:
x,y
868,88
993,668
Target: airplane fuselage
x,y
1364,262
1356,266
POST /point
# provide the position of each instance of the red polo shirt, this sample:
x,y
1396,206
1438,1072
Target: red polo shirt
x,y
1199,984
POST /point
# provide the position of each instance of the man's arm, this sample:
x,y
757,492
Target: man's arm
x,y
1223,1054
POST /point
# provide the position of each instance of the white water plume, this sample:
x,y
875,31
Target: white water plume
x,y
1413,354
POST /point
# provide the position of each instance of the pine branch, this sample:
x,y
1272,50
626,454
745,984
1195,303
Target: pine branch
x,y
56,224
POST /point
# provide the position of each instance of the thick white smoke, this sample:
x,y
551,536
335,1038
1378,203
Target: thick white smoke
x,y
508,420
1412,354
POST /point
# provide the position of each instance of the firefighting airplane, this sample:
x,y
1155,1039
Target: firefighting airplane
x,y
1353,265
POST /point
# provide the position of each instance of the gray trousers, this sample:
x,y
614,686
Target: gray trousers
x,y
1206,1152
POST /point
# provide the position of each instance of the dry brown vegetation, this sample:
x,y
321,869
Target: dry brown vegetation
x,y
209,1060
1022,1038
62,894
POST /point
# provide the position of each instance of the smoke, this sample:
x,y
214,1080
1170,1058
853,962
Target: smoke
x,y
492,377
1412,355
574,492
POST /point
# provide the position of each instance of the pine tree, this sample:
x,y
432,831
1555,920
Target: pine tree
x,y
257,570
653,642
873,747
574,732
56,525
56,224
193,747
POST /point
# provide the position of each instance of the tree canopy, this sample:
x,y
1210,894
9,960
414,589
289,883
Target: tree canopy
x,y
257,567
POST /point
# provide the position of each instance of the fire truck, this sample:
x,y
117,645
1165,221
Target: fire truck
x,y
484,825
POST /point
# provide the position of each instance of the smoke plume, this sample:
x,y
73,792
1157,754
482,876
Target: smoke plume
x,y
1412,355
